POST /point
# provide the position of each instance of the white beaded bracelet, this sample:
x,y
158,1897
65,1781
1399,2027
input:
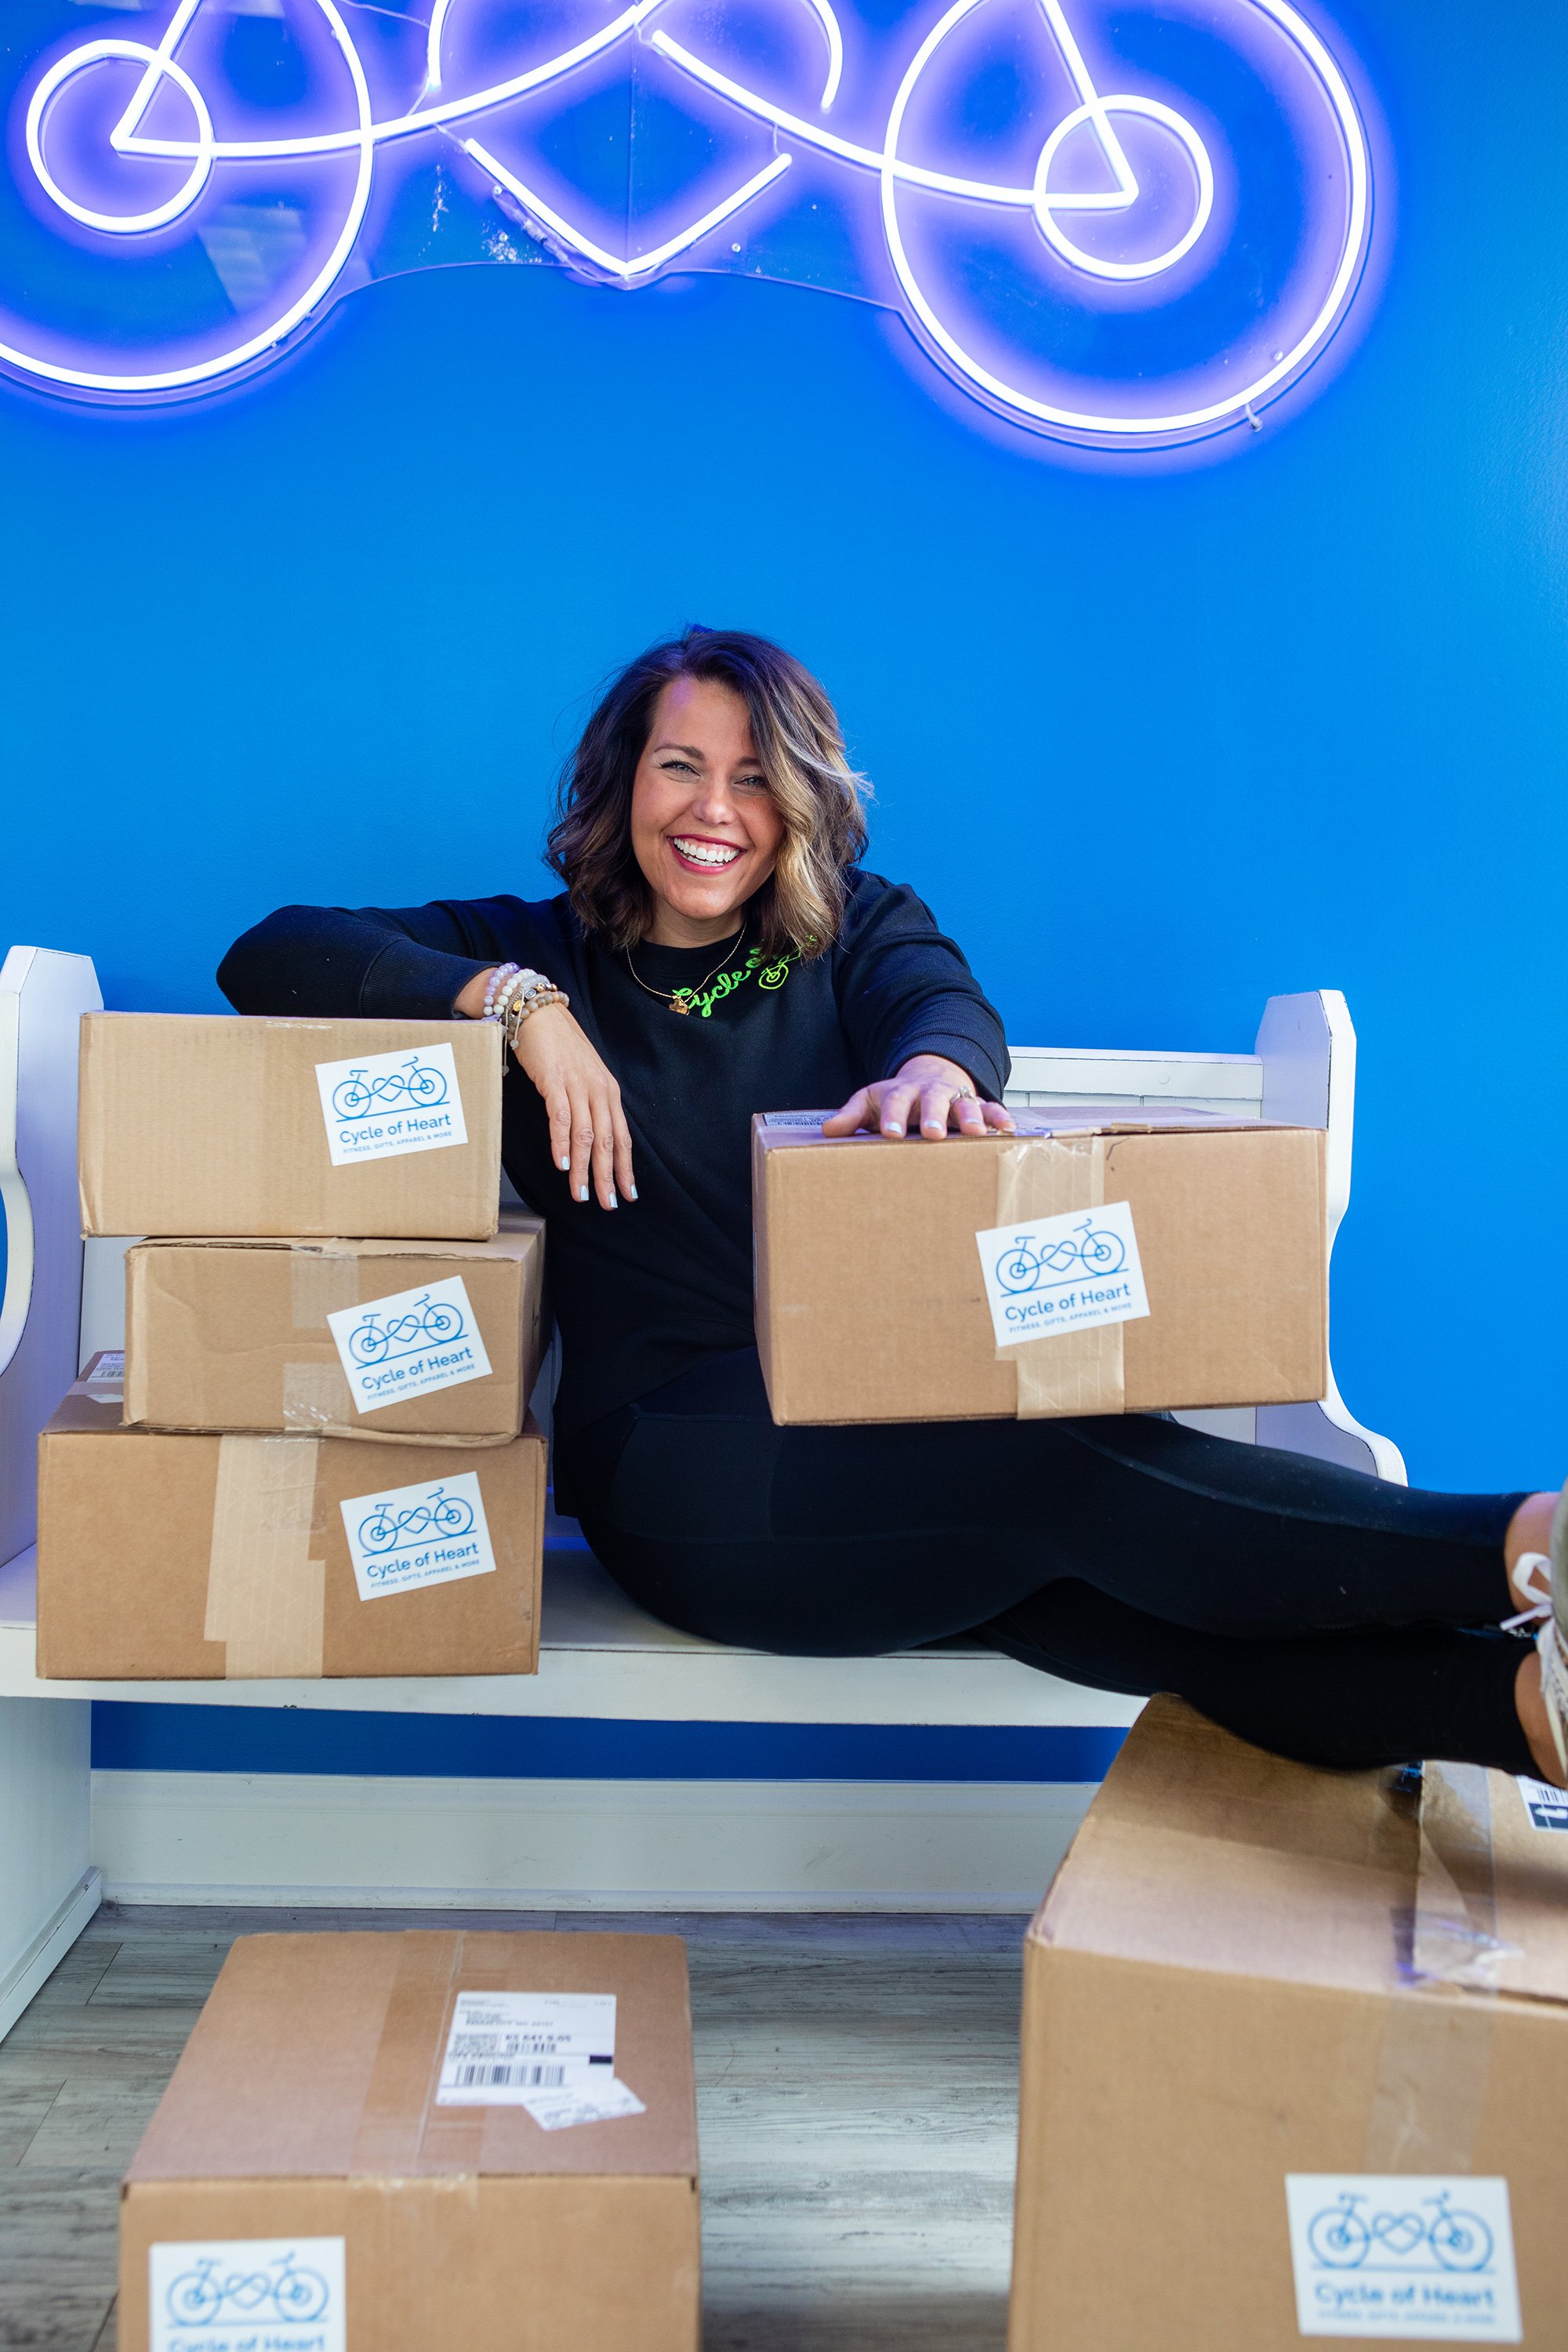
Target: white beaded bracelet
x,y
518,985
497,979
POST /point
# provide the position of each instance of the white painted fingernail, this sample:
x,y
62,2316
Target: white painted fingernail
x,y
563,1165
895,1129
612,1202
631,1192
583,1193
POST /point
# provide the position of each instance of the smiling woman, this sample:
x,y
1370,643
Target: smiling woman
x,y
707,835
739,791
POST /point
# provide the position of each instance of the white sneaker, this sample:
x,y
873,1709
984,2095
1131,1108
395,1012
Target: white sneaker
x,y
1551,1643
1545,1577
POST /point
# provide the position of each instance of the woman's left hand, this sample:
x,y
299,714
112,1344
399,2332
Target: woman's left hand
x,y
929,1094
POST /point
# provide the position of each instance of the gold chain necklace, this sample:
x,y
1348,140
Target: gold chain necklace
x,y
679,1000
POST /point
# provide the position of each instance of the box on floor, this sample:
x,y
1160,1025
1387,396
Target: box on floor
x,y
1294,2059
325,2157
202,1124
1099,1262
170,1557
368,1339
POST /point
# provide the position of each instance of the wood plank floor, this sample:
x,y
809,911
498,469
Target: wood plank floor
x,y
857,2089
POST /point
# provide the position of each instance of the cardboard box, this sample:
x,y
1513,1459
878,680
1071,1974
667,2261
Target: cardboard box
x,y
302,2160
1295,2060
887,1272
185,1558
380,1340
191,1124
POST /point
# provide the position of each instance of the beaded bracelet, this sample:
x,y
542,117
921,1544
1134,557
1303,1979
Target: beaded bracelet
x,y
518,985
533,1001
533,983
501,974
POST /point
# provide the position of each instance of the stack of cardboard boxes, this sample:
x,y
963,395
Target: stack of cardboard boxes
x,y
313,1461
318,1463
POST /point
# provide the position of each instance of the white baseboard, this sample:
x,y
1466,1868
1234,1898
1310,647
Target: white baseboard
x,y
614,1845
48,1949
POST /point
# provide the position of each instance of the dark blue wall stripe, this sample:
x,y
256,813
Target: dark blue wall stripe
x,y
129,1736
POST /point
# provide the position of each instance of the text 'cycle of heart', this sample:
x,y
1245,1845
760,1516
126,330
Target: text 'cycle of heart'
x,y
1125,224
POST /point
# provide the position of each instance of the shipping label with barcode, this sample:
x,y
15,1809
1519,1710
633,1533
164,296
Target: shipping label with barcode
x,y
1547,1806
551,2052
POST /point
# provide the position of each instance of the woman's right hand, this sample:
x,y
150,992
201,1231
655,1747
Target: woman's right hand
x,y
588,1132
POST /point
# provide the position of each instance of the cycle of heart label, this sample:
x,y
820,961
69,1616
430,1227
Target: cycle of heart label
x,y
1046,1276
381,1105
1403,2257
434,1532
241,2294
408,1344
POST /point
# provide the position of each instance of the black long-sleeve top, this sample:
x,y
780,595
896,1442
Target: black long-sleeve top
x,y
643,1291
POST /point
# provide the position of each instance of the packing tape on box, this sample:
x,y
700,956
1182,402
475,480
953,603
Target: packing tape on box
x,y
266,1599
323,1279
1455,1940
316,1400
1068,1371
1435,2060
400,2127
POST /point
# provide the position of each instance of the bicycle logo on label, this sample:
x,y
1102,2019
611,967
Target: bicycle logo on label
x,y
358,1096
1344,2240
1124,223
440,1514
201,2297
428,1324
1088,1248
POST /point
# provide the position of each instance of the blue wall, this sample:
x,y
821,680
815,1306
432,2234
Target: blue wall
x,y
1155,745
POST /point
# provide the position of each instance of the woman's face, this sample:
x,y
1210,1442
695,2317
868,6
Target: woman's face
x,y
705,830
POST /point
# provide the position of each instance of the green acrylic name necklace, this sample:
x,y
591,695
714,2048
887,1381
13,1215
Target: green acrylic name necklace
x,y
681,1000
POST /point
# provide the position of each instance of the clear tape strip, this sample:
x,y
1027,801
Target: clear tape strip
x,y
316,1398
1435,2058
1455,1940
266,1598
401,2129
1070,1371
323,1278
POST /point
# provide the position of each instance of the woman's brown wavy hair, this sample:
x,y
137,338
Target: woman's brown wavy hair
x,y
800,750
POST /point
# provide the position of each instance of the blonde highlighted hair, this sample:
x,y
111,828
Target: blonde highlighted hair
x,y
800,750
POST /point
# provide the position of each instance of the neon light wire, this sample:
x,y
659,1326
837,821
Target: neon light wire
x,y
176,379
1236,403
893,170
638,264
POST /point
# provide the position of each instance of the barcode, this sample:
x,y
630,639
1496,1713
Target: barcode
x,y
502,2074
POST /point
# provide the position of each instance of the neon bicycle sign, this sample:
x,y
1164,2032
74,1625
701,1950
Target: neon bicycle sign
x,y
1128,230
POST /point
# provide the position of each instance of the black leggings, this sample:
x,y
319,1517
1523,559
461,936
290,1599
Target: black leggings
x,y
1314,1610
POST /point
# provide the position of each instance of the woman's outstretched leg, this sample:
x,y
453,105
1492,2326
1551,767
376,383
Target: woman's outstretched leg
x,y
1308,1607
1250,1540
1347,1699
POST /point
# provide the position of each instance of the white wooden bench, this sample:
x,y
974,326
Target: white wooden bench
x,y
555,1837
